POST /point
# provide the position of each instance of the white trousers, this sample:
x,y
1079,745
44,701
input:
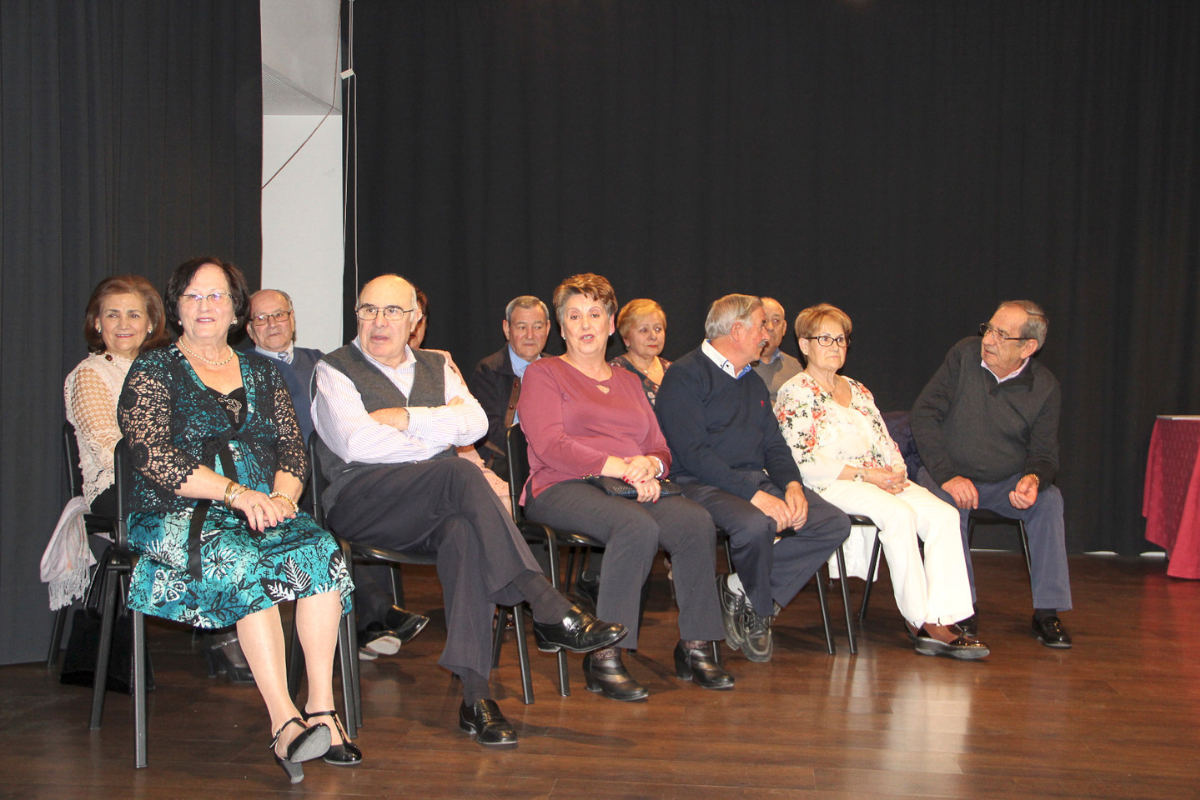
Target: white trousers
x,y
936,591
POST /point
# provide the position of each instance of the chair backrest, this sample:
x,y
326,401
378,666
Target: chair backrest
x,y
900,430
71,460
123,480
518,468
318,483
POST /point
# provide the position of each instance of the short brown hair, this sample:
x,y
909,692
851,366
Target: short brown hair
x,y
125,284
183,275
590,285
635,310
808,320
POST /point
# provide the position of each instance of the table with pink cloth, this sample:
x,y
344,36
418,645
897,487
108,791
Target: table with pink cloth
x,y
1171,499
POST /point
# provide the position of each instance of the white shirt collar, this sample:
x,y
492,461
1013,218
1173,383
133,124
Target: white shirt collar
x,y
1010,375
406,364
723,363
286,355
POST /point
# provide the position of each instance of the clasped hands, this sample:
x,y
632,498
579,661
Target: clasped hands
x,y
790,512
891,481
261,511
639,473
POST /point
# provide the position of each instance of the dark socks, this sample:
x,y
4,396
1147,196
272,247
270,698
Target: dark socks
x,y
547,603
1040,614
475,687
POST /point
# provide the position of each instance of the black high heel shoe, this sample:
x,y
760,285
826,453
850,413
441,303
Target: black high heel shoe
x,y
346,754
311,743
609,677
698,664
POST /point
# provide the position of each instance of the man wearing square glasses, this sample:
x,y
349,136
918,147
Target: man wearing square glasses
x,y
988,438
272,327
390,419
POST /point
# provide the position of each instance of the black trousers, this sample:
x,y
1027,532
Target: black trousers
x,y
444,507
770,570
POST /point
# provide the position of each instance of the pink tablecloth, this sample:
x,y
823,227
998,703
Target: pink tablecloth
x,y
1171,500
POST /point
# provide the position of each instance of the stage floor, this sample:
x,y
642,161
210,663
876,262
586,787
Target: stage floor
x,y
1114,717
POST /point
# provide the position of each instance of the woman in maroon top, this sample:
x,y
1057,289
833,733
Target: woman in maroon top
x,y
583,418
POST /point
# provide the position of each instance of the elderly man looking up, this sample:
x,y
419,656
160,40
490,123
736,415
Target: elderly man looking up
x,y
389,419
272,328
731,458
496,381
988,436
774,366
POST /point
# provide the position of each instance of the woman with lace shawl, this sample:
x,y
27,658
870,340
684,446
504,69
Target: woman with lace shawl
x,y
218,465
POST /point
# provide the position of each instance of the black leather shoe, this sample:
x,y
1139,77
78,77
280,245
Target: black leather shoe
x,y
1050,632
697,664
346,754
483,718
579,632
961,648
405,623
609,677
732,605
378,640
969,626
758,645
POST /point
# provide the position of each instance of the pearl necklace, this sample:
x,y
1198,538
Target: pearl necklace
x,y
179,343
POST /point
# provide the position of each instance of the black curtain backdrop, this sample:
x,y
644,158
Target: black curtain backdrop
x,y
131,141
912,162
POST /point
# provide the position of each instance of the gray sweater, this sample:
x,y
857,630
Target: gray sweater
x,y
967,423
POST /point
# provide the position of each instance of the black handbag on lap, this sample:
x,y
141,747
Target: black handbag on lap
x,y
616,487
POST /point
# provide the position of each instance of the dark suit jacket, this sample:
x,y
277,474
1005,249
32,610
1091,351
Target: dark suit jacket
x,y
298,376
497,388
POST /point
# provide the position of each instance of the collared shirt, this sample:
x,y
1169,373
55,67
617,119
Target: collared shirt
x,y
351,433
286,355
1010,375
723,363
778,354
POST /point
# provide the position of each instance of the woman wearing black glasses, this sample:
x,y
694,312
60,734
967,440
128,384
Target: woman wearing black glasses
x,y
844,453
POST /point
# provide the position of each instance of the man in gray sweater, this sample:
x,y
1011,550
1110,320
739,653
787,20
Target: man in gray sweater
x,y
987,432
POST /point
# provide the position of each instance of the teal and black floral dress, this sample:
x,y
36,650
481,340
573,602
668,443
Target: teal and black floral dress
x,y
200,563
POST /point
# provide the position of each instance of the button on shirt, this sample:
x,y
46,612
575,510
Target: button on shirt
x,y
350,432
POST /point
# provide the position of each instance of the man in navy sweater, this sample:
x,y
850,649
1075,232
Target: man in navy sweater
x,y
730,457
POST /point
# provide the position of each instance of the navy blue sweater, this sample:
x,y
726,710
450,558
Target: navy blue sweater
x,y
721,430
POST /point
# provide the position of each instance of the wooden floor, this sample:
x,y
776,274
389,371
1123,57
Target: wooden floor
x,y
1114,717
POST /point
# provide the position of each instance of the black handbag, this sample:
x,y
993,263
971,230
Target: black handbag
x,y
615,487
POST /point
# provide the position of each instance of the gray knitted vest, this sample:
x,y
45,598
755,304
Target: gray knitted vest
x,y
428,390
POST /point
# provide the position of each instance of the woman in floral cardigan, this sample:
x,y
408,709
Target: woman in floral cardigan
x,y
844,453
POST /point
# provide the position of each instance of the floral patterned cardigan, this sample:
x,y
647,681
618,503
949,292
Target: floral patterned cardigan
x,y
817,433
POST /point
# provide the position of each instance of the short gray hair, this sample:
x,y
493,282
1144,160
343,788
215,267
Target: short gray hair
x,y
1036,325
525,301
726,311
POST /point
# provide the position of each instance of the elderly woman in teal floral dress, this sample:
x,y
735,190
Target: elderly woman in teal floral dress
x,y
218,465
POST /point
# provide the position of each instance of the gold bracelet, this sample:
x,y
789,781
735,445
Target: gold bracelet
x,y
291,502
232,492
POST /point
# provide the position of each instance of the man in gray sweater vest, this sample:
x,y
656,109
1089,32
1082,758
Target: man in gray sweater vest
x,y
988,437
389,419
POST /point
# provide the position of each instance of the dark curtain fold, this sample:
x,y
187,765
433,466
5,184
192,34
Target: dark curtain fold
x,y
913,163
131,141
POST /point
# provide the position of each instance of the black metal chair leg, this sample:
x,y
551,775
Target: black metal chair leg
x,y
518,612
862,612
564,681
498,634
841,561
825,613
139,690
295,668
60,621
107,620
1025,548
346,658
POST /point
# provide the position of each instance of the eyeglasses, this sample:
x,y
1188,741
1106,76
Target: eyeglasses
x,y
985,329
216,298
258,320
825,340
390,313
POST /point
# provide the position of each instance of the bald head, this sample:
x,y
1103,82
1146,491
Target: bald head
x,y
390,304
